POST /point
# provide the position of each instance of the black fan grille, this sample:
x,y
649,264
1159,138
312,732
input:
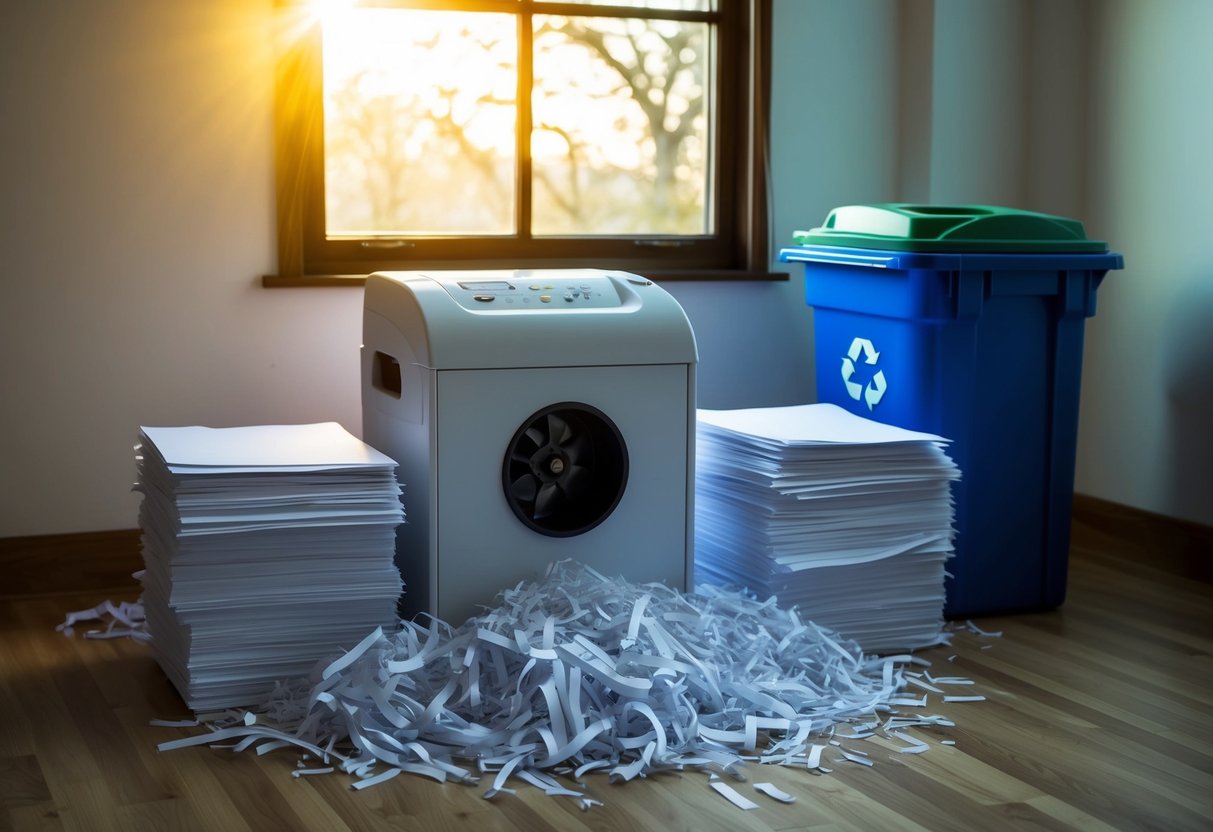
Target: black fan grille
x,y
565,470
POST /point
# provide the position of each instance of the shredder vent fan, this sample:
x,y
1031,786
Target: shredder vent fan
x,y
565,469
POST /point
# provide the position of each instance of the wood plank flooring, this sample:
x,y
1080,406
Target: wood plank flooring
x,y
1099,716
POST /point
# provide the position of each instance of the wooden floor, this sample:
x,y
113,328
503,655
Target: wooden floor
x,y
1099,716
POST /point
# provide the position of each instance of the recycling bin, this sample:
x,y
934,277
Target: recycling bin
x,y
967,321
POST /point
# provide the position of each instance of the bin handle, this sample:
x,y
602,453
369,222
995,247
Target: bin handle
x,y
875,261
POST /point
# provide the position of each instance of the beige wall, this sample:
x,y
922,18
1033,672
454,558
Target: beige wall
x,y
136,217
1146,436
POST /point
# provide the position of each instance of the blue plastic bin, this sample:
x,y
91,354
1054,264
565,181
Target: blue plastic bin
x,y
982,347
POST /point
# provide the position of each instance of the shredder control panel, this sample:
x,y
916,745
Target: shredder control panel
x,y
540,293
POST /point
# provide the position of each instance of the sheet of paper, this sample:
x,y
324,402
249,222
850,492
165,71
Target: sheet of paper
x,y
810,423
312,446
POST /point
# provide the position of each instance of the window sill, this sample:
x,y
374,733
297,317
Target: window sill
x,y
274,281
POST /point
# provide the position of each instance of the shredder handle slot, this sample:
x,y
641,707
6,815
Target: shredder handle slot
x,y
385,374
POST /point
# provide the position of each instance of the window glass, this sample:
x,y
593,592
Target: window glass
x,y
419,123
620,132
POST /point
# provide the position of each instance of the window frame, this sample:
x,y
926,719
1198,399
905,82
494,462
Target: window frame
x,y
739,249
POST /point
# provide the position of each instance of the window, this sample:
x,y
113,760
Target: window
x,y
522,134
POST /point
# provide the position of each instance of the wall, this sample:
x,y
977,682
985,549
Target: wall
x,y
1009,95
137,217
1145,438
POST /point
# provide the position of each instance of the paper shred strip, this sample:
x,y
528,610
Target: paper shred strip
x,y
771,790
919,683
912,745
377,779
352,656
973,628
856,758
127,614
732,795
948,680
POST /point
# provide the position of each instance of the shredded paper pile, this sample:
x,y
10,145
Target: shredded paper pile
x,y
578,673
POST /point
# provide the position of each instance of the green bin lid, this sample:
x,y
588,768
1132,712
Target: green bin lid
x,y
949,228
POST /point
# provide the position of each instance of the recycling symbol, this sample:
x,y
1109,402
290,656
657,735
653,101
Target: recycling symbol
x,y
874,390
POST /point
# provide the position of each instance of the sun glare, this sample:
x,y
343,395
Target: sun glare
x,y
331,11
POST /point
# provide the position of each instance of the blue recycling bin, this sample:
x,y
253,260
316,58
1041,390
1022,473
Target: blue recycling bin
x,y
967,321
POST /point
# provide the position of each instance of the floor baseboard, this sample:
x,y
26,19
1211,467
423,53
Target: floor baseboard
x,y
1171,545
59,564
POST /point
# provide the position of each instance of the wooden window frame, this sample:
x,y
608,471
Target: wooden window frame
x,y
738,250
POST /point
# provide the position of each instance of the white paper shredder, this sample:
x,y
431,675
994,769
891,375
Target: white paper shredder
x,y
536,416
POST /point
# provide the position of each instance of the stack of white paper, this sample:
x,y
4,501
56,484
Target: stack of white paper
x,y
266,549
846,518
